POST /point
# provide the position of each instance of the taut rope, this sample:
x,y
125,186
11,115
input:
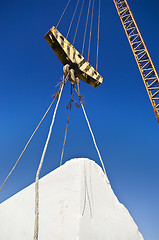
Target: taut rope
x,y
28,142
36,224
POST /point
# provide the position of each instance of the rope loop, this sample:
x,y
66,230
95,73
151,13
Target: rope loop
x,y
70,103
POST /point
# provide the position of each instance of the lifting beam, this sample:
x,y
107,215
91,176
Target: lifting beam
x,y
141,54
67,54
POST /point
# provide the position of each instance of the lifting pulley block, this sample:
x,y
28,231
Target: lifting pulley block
x,y
72,59
70,74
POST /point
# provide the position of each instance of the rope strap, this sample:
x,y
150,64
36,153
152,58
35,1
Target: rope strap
x,y
93,137
68,107
36,224
55,96
94,141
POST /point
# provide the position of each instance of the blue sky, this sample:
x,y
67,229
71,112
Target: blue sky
x,y
119,110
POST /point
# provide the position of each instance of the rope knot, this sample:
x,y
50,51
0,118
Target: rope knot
x,y
70,103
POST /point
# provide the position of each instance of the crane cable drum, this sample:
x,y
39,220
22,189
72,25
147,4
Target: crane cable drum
x,y
66,51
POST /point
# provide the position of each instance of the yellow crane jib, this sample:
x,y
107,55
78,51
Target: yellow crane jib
x,y
146,67
67,54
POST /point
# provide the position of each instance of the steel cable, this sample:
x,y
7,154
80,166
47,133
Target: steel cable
x,y
63,13
84,38
98,37
90,35
78,22
72,19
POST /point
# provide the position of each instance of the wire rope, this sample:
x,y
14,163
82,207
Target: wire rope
x,y
63,14
78,22
28,143
86,25
98,36
72,19
90,35
84,38
36,224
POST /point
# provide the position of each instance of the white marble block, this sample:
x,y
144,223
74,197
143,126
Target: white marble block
x,y
76,203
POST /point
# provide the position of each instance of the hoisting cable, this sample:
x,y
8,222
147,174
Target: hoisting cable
x,y
78,22
94,141
63,14
84,38
69,107
90,35
98,37
72,19
55,96
36,223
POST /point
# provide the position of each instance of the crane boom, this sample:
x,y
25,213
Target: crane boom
x,y
141,54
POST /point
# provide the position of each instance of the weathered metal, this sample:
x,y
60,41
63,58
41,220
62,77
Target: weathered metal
x,y
67,54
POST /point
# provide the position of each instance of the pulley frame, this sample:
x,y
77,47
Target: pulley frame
x,y
67,54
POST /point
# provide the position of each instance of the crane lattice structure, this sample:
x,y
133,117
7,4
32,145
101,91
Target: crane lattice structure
x,y
141,54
